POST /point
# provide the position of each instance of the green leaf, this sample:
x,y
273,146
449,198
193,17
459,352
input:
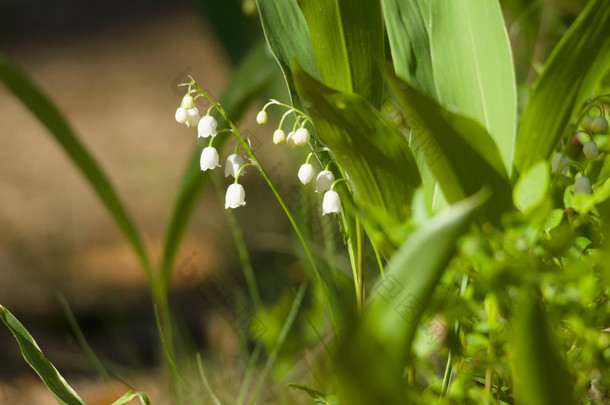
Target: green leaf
x,y
254,74
459,151
572,72
541,374
129,395
532,187
473,67
348,44
407,23
64,394
287,35
376,157
373,357
48,114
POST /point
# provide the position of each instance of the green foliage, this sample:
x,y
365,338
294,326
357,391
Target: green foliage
x,y
473,67
572,72
348,45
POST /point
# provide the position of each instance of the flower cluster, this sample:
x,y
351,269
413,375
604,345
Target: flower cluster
x,y
207,125
299,136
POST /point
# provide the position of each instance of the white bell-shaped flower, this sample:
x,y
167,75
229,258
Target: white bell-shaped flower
x,y
324,181
207,127
193,117
590,150
188,102
290,140
181,115
331,204
582,185
560,164
234,163
301,137
209,159
236,196
261,117
305,173
279,136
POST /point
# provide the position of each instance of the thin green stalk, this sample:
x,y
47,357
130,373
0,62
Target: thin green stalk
x,y
82,341
205,381
294,309
243,389
458,328
170,358
242,251
357,268
279,198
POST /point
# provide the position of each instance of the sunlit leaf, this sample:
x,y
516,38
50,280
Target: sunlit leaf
x,y
64,394
129,396
571,73
459,151
348,44
374,355
376,157
473,67
407,23
532,187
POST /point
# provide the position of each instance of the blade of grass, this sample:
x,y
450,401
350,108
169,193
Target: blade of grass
x,y
82,341
294,309
205,381
374,355
129,396
63,393
47,113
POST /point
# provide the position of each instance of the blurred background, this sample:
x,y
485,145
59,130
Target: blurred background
x,y
113,68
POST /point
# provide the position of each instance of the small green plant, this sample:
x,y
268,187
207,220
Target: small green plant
x,y
475,235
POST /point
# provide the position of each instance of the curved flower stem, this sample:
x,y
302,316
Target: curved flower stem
x,y
240,170
279,198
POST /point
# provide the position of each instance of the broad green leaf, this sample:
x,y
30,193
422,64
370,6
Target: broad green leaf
x,y
253,75
572,72
407,23
287,35
459,151
48,114
130,395
532,186
373,357
64,394
473,67
541,375
376,157
348,44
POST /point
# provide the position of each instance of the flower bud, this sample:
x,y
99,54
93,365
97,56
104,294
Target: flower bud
x,y
261,117
301,137
560,164
188,102
209,159
235,197
582,185
305,173
279,137
207,127
586,122
599,125
290,140
590,150
193,117
324,181
181,115
234,164
331,204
